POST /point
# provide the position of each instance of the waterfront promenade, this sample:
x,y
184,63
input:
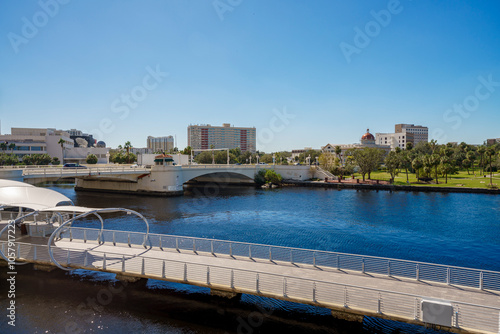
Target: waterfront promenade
x,y
351,286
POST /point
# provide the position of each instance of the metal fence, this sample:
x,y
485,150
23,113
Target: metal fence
x,y
315,292
475,278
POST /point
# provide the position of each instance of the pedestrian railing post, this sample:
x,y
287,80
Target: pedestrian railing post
x,y
163,269
363,265
270,254
68,258
232,279
104,262
123,263
34,252
208,275
448,276
314,293
379,306
128,239
114,241
185,272
481,280
389,268
418,272
212,247
345,297
284,287
250,251
231,249
143,267
177,244
257,284
84,236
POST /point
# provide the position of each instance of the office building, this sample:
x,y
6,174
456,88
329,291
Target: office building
x,y
202,137
160,144
420,133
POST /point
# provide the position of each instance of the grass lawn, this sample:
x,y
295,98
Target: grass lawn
x,y
462,179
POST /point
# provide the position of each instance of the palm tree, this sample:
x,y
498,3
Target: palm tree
x,y
471,156
61,142
490,152
481,150
11,147
3,146
127,146
417,164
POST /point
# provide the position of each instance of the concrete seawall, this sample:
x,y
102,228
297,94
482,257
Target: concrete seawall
x,y
334,185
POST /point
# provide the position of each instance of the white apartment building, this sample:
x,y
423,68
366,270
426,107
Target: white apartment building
x,y
398,139
31,141
160,144
420,133
225,136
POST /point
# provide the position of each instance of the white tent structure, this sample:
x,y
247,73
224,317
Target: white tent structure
x,y
23,195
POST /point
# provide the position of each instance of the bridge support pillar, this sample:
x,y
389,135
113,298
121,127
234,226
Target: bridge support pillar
x,y
44,267
131,279
347,316
225,294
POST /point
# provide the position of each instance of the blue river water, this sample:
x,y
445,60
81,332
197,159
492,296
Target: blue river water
x,y
446,228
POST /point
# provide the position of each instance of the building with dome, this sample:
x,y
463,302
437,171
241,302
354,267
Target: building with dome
x,y
367,140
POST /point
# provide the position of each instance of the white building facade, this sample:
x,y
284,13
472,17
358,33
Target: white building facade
x,y
420,133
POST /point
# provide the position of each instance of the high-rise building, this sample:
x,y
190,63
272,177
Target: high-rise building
x,y
225,136
420,133
161,144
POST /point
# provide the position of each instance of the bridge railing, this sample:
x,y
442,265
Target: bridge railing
x,y
466,316
57,171
453,275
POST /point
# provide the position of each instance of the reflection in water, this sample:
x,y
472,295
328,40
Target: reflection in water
x,y
455,229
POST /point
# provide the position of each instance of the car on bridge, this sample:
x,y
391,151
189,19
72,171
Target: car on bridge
x,y
71,165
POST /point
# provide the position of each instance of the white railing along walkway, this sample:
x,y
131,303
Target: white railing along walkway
x,y
467,316
422,271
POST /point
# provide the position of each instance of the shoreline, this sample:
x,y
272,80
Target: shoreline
x,y
388,187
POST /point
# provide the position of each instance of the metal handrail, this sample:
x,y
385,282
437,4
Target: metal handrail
x,y
96,213
424,271
371,298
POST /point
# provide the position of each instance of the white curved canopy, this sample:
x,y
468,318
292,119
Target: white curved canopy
x,y
69,208
19,194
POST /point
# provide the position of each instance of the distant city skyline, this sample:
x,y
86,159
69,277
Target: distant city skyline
x,y
302,73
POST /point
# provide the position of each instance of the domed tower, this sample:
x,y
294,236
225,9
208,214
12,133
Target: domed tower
x,y
368,139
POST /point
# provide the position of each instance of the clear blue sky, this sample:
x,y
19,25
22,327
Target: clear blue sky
x,y
329,63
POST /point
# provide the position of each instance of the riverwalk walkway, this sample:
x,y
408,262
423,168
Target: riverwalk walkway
x,y
352,286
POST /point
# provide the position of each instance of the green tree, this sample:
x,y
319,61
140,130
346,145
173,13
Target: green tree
x,y
204,158
481,150
127,147
435,160
61,142
91,159
392,163
55,161
3,146
490,153
12,146
27,160
368,159
260,177
187,150
272,177
417,164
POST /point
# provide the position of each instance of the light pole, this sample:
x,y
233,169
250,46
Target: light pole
x,y
257,159
274,158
